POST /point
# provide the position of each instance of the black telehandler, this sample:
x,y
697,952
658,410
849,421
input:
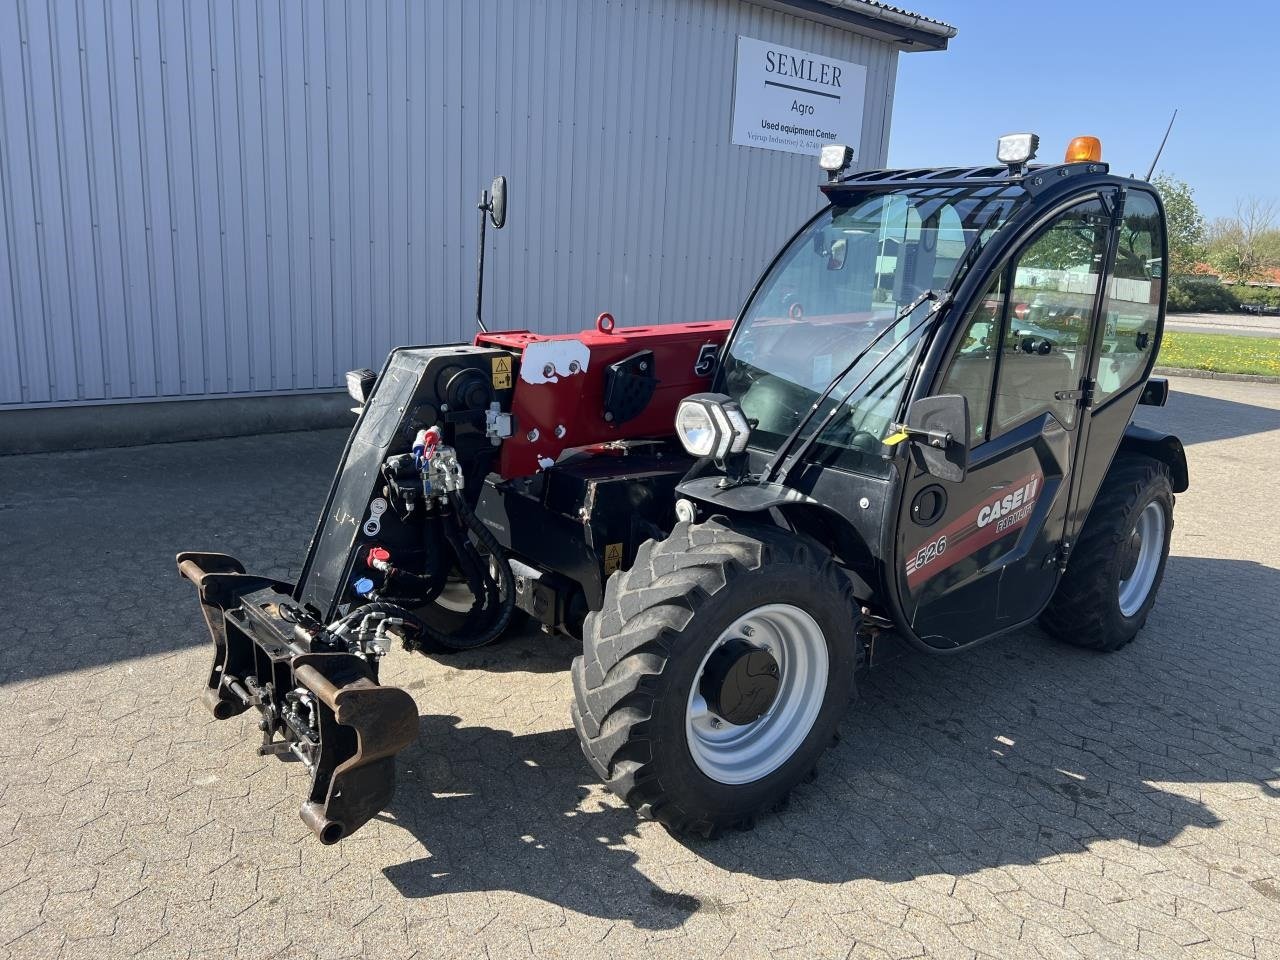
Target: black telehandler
x,y
919,425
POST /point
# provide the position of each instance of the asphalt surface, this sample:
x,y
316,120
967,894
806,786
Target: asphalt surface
x,y
1237,324
1026,799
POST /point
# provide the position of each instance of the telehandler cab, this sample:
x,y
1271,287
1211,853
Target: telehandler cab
x,y
919,423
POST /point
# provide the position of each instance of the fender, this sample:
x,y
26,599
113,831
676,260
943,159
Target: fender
x,y
1164,447
805,514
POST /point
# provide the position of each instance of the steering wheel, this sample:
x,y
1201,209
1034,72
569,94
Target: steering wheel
x,y
865,441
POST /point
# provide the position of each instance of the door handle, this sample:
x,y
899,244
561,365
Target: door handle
x,y
1084,395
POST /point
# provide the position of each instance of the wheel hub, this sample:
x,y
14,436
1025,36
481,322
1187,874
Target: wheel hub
x,y
740,682
1130,552
1141,565
752,705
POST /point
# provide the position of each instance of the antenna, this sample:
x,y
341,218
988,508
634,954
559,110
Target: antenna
x,y
1152,168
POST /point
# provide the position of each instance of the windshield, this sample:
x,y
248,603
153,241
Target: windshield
x,y
839,284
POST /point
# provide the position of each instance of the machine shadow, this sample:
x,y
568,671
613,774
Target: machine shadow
x,y
524,648
1022,750
1200,419
515,814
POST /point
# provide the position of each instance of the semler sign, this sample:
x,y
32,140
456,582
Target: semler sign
x,y
788,99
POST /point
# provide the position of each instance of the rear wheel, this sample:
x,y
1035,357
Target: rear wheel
x,y
1115,570
716,673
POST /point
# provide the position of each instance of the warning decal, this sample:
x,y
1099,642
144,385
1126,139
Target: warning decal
x,y
612,557
501,373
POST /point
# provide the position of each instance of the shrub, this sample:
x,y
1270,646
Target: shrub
x,y
1268,297
1201,296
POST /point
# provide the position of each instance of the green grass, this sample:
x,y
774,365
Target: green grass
x,y
1221,353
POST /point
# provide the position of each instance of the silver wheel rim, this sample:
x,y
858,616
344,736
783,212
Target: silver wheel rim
x,y
1150,533
730,753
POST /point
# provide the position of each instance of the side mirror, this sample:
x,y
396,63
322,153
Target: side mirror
x,y
1155,392
498,203
938,428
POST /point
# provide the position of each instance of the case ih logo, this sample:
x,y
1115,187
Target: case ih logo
x,y
1011,507
980,526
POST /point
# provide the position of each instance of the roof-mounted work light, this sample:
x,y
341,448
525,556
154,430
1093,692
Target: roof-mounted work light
x,y
1016,150
835,159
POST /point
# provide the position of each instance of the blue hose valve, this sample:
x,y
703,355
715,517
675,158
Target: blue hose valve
x,y
363,586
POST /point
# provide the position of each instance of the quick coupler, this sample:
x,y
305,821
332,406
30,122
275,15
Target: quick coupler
x,y
318,694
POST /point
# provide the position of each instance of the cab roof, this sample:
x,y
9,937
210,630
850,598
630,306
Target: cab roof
x,y
1033,180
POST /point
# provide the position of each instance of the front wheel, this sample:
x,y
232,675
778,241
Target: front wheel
x,y
716,673
1115,570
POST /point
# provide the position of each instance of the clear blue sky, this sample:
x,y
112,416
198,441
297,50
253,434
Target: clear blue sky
x,y
1114,70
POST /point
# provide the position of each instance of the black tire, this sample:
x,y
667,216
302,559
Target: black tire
x,y
644,648
1085,609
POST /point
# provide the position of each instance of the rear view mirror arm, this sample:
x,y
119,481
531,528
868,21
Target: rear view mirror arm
x,y
934,438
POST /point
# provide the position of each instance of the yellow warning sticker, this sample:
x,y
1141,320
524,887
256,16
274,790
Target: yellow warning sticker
x,y
612,557
501,373
895,438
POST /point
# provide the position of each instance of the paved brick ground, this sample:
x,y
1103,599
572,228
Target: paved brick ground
x,y
1027,799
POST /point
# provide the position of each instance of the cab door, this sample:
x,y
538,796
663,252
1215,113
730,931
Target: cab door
x,y
981,556
1126,341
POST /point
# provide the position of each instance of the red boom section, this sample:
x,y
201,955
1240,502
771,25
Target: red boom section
x,y
560,383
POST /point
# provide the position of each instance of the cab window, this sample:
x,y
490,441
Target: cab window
x,y
1134,293
1046,325
973,364
1026,339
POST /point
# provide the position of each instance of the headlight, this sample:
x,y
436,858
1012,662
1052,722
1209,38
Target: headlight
x,y
711,425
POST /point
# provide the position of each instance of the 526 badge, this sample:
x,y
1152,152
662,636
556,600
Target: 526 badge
x,y
926,555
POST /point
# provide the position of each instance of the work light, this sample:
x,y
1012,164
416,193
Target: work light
x,y
711,425
834,158
1016,149
360,384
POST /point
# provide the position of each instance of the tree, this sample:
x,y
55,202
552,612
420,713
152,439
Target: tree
x,y
1185,223
1244,245
1269,248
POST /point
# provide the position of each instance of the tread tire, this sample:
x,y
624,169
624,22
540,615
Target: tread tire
x,y
1085,608
642,649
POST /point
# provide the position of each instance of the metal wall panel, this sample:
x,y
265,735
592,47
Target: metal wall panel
x,y
207,197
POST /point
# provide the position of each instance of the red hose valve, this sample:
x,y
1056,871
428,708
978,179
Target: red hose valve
x,y
378,557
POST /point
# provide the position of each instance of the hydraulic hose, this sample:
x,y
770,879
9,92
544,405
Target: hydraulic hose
x,y
506,589
494,604
418,590
482,587
340,627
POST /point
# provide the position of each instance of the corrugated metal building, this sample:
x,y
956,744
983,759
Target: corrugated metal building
x,y
206,198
